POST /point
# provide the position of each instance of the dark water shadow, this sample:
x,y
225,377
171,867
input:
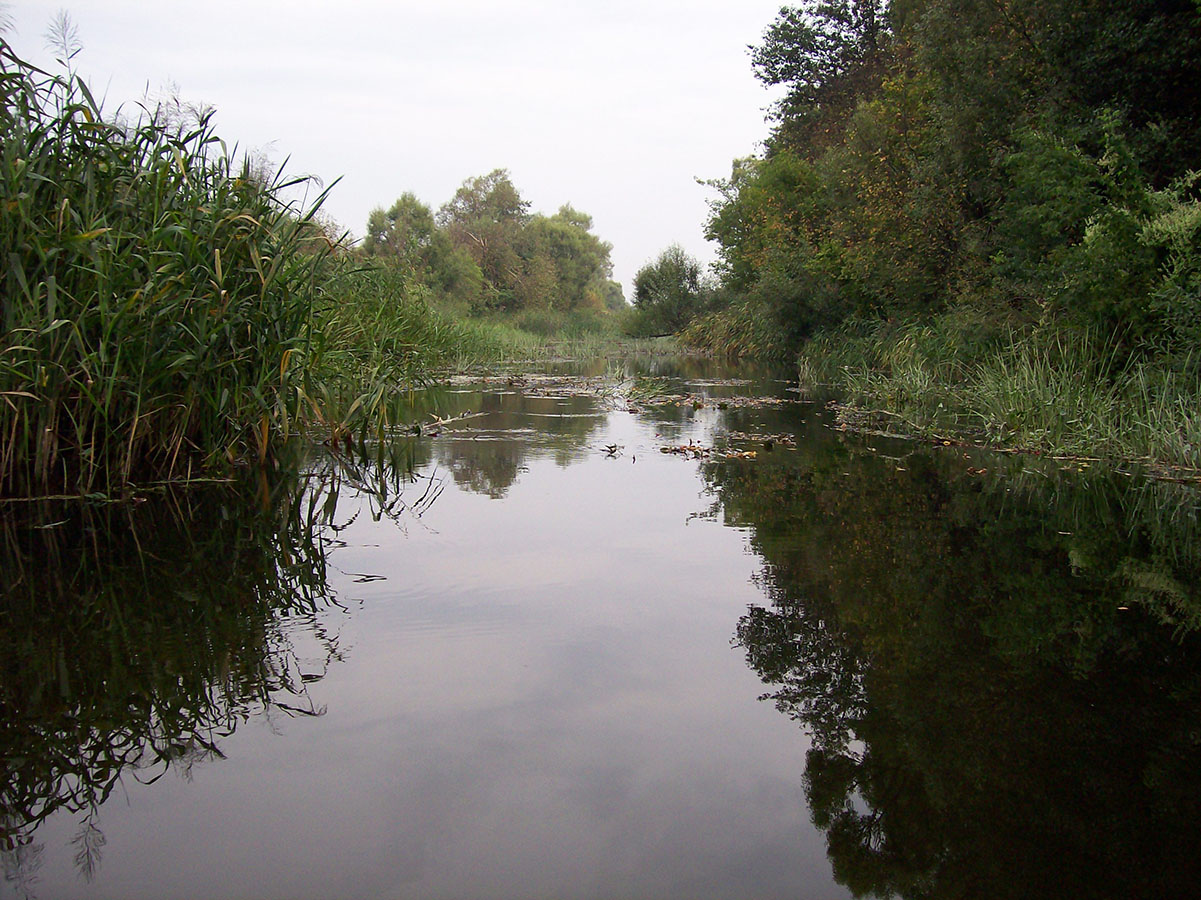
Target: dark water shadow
x,y
1000,669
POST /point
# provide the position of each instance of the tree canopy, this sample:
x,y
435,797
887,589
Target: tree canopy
x,y
485,249
1034,160
668,293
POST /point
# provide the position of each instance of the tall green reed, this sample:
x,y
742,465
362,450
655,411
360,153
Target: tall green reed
x,y
375,335
156,296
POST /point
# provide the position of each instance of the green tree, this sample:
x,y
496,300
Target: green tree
x,y
580,260
406,231
407,235
485,219
613,297
668,292
487,198
826,52
1025,158
484,250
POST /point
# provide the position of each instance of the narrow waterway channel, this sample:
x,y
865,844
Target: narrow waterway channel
x,y
644,630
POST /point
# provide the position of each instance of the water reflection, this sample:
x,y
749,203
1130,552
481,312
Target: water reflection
x,y
136,638
482,433
997,666
487,453
1000,670
494,426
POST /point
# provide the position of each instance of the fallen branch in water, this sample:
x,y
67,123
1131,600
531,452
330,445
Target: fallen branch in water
x,y
433,428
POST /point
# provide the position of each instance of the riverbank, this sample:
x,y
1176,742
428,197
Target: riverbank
x,y
1044,391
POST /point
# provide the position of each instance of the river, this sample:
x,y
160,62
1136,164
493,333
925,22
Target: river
x,y
648,628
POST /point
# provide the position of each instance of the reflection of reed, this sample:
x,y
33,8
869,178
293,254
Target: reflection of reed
x,y
386,476
134,638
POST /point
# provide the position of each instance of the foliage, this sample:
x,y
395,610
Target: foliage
x,y
577,260
569,324
1033,162
737,329
376,334
156,297
668,293
407,235
823,51
484,252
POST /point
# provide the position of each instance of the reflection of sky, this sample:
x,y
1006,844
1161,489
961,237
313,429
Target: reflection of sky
x,y
541,700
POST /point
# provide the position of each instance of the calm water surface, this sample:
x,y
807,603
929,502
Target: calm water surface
x,y
539,657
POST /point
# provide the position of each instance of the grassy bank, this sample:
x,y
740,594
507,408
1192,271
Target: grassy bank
x,y
374,334
1047,390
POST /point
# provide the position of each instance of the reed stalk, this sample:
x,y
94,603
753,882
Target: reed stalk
x,y
156,300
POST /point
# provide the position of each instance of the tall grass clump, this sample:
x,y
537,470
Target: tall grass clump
x,y
739,330
374,335
1061,393
156,296
1070,393
1056,390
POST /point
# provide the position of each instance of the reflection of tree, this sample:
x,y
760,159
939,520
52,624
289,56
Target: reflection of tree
x,y
134,638
488,467
491,452
986,719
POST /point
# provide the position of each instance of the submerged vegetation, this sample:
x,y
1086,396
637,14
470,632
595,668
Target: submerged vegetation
x,y
988,209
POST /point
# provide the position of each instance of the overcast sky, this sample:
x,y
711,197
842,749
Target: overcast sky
x,y
614,106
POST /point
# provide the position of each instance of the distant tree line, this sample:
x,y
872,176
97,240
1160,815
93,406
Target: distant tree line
x,y
485,251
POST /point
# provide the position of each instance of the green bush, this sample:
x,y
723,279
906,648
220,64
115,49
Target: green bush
x,y
668,293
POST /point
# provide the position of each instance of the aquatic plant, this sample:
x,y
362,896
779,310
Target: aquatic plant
x,y
156,298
